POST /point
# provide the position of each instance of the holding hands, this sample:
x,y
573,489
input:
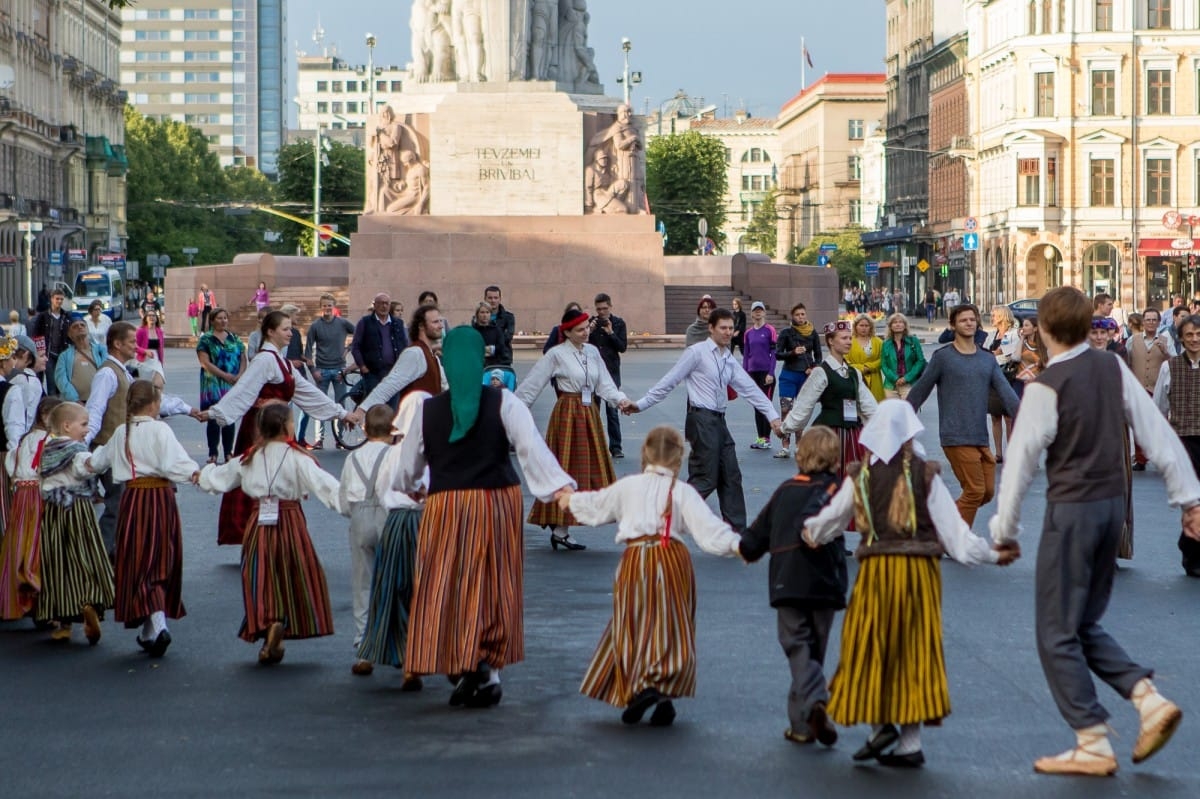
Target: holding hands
x,y
628,407
1008,551
1191,522
563,497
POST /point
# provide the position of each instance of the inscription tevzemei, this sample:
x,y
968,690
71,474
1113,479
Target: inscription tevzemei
x,y
506,156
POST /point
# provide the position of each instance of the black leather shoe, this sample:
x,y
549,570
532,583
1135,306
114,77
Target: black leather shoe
x,y
566,542
618,454
875,745
911,760
1139,467
646,699
159,647
663,715
819,726
145,645
486,696
464,690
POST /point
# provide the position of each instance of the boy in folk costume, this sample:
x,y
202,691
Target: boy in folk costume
x,y
647,654
808,586
77,577
1081,431
21,547
892,670
283,584
146,457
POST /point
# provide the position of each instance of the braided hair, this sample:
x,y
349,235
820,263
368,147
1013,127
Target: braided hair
x,y
664,447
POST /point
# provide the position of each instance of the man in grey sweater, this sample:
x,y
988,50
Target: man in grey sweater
x,y
327,339
962,374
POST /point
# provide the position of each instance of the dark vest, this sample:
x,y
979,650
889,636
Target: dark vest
x,y
480,460
883,538
5,387
1184,397
431,381
372,344
839,389
1083,463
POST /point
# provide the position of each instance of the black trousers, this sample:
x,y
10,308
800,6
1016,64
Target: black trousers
x,y
204,321
1190,548
762,424
713,463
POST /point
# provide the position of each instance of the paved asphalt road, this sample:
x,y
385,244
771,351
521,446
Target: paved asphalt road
x,y
207,720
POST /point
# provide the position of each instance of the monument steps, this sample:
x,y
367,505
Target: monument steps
x,y
243,319
681,302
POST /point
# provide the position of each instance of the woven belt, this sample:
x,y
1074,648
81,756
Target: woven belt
x,y
28,482
644,541
148,482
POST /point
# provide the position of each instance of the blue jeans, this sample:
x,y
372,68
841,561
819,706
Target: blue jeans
x,y
323,378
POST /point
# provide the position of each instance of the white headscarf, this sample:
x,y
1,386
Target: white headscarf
x,y
894,423
409,408
145,370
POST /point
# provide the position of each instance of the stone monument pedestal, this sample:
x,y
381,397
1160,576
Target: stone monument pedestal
x,y
540,262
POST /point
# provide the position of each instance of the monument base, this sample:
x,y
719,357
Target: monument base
x,y
540,262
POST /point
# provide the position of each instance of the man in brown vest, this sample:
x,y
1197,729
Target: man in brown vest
x,y
417,368
1145,353
1177,394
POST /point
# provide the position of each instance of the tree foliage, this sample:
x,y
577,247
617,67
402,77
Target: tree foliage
x,y
848,260
685,181
762,234
342,191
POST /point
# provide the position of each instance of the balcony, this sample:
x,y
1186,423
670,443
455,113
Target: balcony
x,y
102,156
1037,217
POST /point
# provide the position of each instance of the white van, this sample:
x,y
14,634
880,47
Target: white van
x,y
106,285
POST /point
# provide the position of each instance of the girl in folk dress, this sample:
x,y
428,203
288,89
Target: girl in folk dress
x,y
892,670
283,584
575,433
13,424
21,548
647,654
145,455
77,578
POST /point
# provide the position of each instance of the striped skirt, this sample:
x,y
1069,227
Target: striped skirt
x,y
651,640
892,670
6,494
467,603
577,438
391,589
851,449
75,567
149,560
282,579
21,552
236,507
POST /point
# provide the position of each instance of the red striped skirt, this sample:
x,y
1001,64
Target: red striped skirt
x,y
149,560
236,507
651,640
852,451
468,603
75,566
282,579
21,552
576,437
6,497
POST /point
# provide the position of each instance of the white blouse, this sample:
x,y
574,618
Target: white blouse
x,y
156,453
19,461
543,475
276,470
98,331
636,504
265,369
387,484
576,372
13,415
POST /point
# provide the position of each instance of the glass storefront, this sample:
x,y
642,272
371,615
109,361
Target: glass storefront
x,y
1099,269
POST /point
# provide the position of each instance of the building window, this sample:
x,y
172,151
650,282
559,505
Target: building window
x,y
1051,181
1158,91
756,155
144,55
1158,14
352,108
337,108
201,98
1104,93
239,57
201,13
1045,94
336,87
854,167
1103,183
1046,15
322,108
1158,181
152,36
395,86
1032,17
856,212
728,152
856,129
1029,181
745,183
1104,15
201,36
322,85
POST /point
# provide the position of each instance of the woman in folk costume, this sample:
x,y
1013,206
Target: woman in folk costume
x,y
21,547
269,377
468,596
892,670
647,654
575,433
149,460
12,422
283,584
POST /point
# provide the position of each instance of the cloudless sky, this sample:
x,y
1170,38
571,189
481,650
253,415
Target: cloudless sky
x,y
730,52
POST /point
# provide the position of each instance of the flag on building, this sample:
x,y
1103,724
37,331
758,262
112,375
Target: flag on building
x,y
808,56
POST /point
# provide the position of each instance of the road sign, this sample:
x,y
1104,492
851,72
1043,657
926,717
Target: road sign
x,y
971,241
923,265
76,255
325,232
822,260
905,269
702,226
56,257
972,224
872,267
828,247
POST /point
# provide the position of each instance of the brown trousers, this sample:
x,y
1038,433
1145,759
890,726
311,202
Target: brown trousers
x,y
975,470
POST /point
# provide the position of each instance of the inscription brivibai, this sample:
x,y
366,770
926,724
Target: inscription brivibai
x,y
492,173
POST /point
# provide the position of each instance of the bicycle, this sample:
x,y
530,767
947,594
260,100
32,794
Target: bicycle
x,y
347,437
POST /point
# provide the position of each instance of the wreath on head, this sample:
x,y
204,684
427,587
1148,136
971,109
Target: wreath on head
x,y
8,348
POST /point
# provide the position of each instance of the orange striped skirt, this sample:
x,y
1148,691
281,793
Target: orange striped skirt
x,y
576,437
282,579
468,603
21,552
651,640
892,668
149,556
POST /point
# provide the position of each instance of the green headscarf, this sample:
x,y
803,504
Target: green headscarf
x,y
462,361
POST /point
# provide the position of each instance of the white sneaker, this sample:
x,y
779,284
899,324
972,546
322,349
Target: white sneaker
x,y
783,453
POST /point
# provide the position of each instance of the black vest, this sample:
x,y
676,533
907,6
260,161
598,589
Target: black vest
x,y
372,344
839,389
480,460
5,387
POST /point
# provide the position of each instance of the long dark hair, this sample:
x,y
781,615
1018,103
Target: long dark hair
x,y
1035,342
272,321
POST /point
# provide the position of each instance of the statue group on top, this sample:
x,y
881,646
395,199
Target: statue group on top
x,y
397,173
547,41
614,178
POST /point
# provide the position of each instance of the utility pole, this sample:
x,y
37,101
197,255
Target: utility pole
x,y
317,157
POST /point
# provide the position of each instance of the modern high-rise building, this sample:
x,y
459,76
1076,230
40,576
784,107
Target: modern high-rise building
x,y
219,65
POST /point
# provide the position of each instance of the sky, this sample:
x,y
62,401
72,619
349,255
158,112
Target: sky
x,y
730,52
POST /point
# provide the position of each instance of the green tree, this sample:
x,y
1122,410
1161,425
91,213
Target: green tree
x,y
848,260
685,181
342,190
762,234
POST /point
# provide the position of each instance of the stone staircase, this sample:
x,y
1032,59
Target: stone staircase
x,y
243,319
681,302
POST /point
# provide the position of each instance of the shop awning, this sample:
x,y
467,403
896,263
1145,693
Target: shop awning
x,y
1168,248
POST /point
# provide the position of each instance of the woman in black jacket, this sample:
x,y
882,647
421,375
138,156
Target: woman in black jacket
x,y
799,347
495,350
739,326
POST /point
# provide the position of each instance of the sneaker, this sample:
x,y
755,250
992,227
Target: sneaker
x,y
760,443
783,453
317,445
617,454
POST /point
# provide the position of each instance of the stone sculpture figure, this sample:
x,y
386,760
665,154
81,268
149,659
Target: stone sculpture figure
x,y
543,34
597,178
615,200
418,27
388,140
441,42
623,142
576,64
468,40
409,196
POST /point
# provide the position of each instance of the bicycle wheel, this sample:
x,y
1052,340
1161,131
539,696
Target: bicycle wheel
x,y
351,437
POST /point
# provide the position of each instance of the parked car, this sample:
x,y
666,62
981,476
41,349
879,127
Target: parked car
x,y
1022,309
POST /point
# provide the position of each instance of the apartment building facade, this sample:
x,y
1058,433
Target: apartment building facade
x,y
337,95
752,158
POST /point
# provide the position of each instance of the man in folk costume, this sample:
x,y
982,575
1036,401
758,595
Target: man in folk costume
x,y
1177,394
1080,429
417,368
467,602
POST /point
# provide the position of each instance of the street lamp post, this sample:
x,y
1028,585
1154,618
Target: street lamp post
x,y
370,75
29,229
626,45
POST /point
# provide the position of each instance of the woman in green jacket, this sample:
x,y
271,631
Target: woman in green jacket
x,y
903,358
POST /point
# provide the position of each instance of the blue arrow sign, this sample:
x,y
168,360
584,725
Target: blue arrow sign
x,y
828,247
822,260
971,241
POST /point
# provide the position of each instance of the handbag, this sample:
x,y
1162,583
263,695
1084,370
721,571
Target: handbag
x,y
1010,369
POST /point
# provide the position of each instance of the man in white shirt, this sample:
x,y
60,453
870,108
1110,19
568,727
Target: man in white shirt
x,y
710,370
417,368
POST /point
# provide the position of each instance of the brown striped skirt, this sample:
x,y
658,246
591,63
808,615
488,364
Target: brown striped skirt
x,y
282,579
21,552
651,640
467,603
149,560
75,567
892,669
577,438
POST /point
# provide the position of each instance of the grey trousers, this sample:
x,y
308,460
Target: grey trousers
x,y
713,463
108,519
1076,563
804,635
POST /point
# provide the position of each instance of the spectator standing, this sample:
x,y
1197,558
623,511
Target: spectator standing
x,y
97,323
150,338
799,347
325,353
206,300
222,358
378,342
609,335
739,325
262,297
15,326
43,299
758,359
501,318
51,326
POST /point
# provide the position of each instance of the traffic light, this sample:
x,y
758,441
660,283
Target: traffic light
x,y
945,270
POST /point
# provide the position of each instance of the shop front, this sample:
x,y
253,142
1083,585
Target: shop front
x,y
897,254
1170,268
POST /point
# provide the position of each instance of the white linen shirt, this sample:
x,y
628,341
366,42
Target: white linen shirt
x,y
1162,386
156,453
262,370
409,367
387,484
31,390
13,415
98,331
19,460
810,394
575,371
351,488
636,504
276,470
708,370
104,387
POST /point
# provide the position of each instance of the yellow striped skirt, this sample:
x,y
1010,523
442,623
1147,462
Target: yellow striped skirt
x,y
651,640
892,668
